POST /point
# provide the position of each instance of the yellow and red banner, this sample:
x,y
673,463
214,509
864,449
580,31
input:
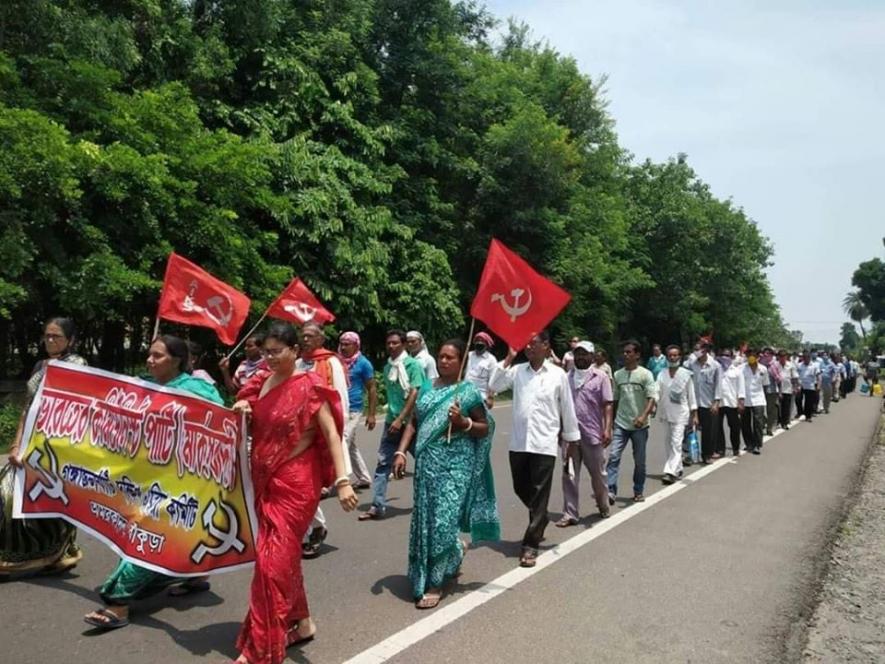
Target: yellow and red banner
x,y
159,475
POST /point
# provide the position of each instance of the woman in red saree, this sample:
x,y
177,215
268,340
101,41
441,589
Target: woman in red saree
x,y
296,451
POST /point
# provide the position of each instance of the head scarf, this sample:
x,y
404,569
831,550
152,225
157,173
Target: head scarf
x,y
774,368
353,338
415,333
485,338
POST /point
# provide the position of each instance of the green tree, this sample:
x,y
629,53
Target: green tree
x,y
854,306
849,341
869,279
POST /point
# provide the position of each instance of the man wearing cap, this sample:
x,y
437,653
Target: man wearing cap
x,y
592,393
480,364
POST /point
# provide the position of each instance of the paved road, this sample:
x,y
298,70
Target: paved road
x,y
719,570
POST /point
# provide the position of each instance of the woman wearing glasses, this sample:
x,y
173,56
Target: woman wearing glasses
x,y
296,425
37,545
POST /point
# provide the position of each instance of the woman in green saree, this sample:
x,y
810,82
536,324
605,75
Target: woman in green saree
x,y
167,364
454,489
37,545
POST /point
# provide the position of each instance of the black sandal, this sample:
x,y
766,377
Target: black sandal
x,y
189,588
529,557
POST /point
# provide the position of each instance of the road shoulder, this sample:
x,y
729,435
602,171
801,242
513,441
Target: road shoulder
x,y
848,622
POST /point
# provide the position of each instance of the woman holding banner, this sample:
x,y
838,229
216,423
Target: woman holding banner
x,y
37,545
167,363
296,451
454,486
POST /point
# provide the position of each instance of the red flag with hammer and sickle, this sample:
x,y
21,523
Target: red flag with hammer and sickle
x,y
194,297
298,304
513,299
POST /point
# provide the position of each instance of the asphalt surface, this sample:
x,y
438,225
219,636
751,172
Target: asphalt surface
x,y
721,570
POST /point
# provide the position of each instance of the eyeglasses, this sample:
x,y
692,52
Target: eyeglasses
x,y
273,352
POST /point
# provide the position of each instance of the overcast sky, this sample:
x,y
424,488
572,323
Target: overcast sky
x,y
779,105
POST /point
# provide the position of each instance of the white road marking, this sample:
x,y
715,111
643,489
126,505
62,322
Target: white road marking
x,y
449,613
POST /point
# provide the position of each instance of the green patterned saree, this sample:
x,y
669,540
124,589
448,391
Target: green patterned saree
x,y
454,489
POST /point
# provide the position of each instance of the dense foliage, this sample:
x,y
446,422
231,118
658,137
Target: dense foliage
x,y
372,147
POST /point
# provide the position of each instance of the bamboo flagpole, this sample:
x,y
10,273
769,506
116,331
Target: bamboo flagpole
x,y
247,335
461,372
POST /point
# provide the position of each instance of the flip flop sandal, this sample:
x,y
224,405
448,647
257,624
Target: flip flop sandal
x,y
428,602
112,622
189,588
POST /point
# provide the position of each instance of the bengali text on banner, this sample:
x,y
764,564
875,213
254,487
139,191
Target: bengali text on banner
x,y
158,474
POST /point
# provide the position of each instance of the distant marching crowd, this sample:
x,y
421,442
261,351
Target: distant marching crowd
x,y
305,402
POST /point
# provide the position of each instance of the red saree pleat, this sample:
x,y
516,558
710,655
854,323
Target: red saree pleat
x,y
287,493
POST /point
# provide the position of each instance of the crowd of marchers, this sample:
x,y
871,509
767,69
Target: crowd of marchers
x,y
305,402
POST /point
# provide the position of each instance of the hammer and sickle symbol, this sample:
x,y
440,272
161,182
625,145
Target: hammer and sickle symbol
x,y
50,483
515,310
302,311
227,540
216,310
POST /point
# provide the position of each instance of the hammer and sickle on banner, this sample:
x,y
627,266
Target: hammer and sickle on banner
x,y
304,312
515,310
50,483
227,540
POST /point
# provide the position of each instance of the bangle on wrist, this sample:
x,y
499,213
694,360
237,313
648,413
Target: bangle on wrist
x,y
402,454
344,480
469,424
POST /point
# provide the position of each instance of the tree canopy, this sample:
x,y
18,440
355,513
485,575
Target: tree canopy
x,y
372,148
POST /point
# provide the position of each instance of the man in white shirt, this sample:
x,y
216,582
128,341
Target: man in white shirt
x,y
543,414
753,419
809,384
706,374
789,386
677,405
480,364
733,392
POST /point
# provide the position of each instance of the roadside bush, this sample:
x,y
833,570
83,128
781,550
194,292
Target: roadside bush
x,y
9,414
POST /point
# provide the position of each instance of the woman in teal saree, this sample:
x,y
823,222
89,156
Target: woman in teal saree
x,y
454,489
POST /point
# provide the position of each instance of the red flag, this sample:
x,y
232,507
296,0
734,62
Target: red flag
x,y
194,297
513,300
296,303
